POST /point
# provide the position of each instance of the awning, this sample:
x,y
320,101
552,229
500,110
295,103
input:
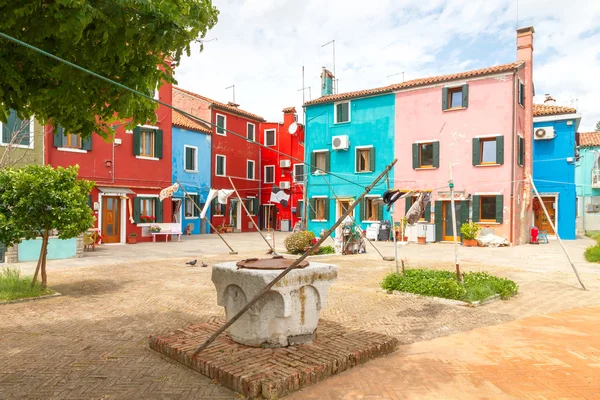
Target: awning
x,y
115,190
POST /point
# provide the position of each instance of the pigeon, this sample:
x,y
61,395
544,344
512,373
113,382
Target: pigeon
x,y
203,265
191,263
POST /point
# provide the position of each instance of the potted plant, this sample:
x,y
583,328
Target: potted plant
x,y
155,228
147,218
219,228
469,231
132,238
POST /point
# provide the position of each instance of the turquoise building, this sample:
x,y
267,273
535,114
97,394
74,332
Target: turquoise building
x,y
554,165
191,167
587,177
349,142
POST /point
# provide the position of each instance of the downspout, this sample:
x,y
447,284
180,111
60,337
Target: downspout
x,y
512,159
259,172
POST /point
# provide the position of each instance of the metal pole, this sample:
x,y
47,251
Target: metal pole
x,y
554,229
451,185
206,219
394,235
294,264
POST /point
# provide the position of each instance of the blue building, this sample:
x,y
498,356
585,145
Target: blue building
x,y
191,167
554,158
345,134
587,178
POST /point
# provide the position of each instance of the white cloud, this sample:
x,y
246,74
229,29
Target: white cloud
x,y
263,44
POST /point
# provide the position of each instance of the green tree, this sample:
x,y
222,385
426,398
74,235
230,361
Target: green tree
x,y
124,40
37,200
598,126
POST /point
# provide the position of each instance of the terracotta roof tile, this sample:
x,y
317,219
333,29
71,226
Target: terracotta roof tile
x,y
540,110
589,139
222,106
289,110
418,82
184,122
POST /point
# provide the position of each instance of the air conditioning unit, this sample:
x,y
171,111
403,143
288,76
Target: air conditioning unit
x,y
285,163
592,208
340,142
284,185
546,133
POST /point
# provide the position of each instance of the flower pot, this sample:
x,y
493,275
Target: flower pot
x,y
404,239
470,242
132,239
421,240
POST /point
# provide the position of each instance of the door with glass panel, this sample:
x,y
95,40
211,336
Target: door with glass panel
x,y
111,229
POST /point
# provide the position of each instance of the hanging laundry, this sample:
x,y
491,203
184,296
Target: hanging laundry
x,y
168,192
418,208
393,195
279,196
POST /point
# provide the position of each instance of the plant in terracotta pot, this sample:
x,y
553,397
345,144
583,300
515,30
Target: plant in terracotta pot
x,y
469,231
132,238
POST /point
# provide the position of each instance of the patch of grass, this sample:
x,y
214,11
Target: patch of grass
x,y
592,254
593,235
326,250
13,286
438,283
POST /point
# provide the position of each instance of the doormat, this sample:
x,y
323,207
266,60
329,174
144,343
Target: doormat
x,y
272,373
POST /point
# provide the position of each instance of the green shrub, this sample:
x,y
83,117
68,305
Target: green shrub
x,y
469,230
592,253
326,250
297,242
477,285
593,235
13,286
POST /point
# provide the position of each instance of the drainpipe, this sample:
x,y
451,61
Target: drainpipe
x,y
259,199
512,158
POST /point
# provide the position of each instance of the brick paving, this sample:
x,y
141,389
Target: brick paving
x,y
92,342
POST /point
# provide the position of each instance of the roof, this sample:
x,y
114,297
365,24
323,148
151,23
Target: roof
x,y
589,139
419,82
541,110
182,121
289,110
222,106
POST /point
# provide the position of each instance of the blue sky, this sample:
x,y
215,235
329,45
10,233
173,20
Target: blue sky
x,y
262,45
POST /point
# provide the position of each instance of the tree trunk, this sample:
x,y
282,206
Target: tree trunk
x,y
41,265
43,268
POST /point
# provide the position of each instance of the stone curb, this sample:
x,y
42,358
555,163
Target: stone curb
x,y
30,299
474,304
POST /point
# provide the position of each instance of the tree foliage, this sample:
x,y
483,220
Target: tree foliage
x,y
598,126
37,200
124,40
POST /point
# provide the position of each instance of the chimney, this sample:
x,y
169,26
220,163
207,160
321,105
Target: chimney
x,y
550,101
326,82
289,116
233,104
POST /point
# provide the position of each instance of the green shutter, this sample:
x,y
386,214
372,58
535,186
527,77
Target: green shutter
x,y
58,136
438,221
372,158
521,151
137,141
158,143
255,206
86,144
476,152
213,206
137,210
380,212
499,208
363,210
415,155
407,204
300,208
313,162
327,162
327,209
463,217
90,202
500,150
427,213
436,154
158,210
196,200
476,203
465,95
444,98
311,209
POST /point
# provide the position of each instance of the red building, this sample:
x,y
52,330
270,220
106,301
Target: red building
x,y
284,171
129,173
232,156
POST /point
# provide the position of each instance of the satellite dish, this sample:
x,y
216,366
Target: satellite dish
x,y
293,128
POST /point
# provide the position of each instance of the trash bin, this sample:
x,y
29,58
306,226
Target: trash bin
x,y
384,230
285,225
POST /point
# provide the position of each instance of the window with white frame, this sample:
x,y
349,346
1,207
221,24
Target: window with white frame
x,y
269,174
251,132
299,173
220,165
250,169
342,112
17,132
191,158
189,208
221,125
270,137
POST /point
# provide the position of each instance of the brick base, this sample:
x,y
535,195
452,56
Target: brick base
x,y
272,373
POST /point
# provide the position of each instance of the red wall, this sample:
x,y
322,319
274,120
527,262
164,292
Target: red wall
x,y
291,145
122,168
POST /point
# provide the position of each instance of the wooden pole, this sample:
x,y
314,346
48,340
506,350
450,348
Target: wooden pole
x,y
206,219
294,264
451,185
251,219
555,231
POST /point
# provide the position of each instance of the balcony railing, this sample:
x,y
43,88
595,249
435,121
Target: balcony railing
x,y
596,179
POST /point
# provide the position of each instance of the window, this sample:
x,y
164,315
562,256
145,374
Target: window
x,y
72,141
250,134
488,150
521,93
372,209
320,162
365,159
252,205
147,207
16,131
191,158
455,97
299,173
521,156
426,154
220,169
270,137
319,208
217,208
147,210
250,169
221,125
147,144
269,174
488,208
189,209
342,112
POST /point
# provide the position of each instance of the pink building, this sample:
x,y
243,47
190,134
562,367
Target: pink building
x,y
480,122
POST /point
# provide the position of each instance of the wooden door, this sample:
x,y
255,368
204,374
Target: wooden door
x,y
540,219
447,232
343,206
111,227
269,216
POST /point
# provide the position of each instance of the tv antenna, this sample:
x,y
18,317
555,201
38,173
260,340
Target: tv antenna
x,y
333,42
389,76
232,87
